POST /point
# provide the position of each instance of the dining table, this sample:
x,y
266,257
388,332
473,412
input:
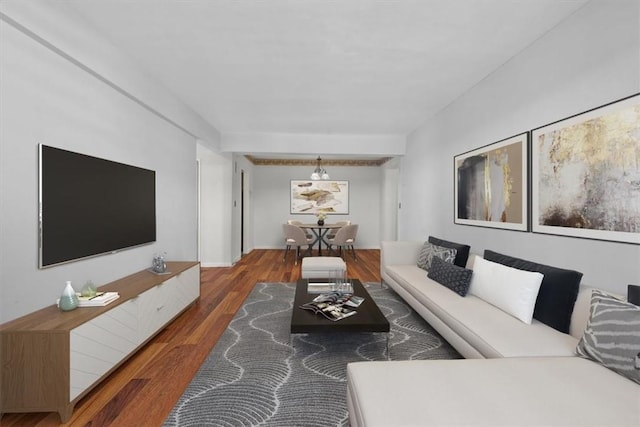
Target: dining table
x,y
319,233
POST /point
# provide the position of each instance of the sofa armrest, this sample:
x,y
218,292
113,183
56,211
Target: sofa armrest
x,y
399,252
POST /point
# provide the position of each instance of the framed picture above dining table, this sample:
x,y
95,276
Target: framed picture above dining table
x,y
312,197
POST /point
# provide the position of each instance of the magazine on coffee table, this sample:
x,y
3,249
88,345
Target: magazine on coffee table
x,y
329,310
334,305
342,298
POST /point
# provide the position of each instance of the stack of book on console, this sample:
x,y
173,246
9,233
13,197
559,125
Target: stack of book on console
x,y
334,305
98,300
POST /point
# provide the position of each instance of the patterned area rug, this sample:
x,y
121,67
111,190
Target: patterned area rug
x,y
258,374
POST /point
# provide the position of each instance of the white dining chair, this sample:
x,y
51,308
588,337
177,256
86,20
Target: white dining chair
x,y
295,236
332,232
344,239
299,224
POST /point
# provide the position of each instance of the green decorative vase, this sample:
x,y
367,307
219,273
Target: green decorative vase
x,y
89,289
68,299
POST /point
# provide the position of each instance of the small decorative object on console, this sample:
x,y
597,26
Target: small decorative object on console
x,y
89,289
68,300
158,265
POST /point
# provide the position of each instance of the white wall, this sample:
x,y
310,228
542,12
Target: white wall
x,y
590,59
424,185
271,202
59,25
215,207
49,98
389,201
376,145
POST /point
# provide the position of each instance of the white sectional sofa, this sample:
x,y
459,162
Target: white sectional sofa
x,y
533,376
473,327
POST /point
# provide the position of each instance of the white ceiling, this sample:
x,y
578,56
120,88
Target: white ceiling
x,y
320,66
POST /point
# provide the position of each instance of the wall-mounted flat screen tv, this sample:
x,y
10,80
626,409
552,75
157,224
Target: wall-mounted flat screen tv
x,y
91,206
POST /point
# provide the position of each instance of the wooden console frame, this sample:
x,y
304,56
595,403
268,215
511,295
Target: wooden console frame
x,y
45,366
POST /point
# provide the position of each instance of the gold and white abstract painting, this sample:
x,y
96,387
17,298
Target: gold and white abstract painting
x,y
586,174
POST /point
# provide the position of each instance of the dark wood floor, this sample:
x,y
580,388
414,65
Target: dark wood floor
x,y
143,390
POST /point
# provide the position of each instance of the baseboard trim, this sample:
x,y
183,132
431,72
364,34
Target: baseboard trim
x,y
215,264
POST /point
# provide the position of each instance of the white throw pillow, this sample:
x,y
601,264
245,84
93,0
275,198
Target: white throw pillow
x,y
511,290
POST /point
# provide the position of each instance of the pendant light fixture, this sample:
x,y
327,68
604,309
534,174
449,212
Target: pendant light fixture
x,y
319,173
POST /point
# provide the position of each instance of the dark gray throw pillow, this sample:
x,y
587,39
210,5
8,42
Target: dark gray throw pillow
x,y
451,276
462,251
558,291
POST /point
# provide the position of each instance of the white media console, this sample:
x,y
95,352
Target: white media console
x,y
51,359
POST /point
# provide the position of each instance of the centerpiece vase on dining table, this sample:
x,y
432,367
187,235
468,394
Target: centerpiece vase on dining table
x,y
321,222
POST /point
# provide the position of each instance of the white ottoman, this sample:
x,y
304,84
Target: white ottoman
x,y
323,267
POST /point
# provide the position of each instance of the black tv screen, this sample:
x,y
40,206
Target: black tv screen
x,y
91,206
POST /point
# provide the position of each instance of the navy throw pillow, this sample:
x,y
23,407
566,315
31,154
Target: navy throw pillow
x,y
456,278
558,291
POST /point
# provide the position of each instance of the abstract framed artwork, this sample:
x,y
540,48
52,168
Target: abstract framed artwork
x,y
311,197
586,174
490,186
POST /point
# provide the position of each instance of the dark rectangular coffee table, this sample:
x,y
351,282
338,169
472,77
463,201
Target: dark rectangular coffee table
x,y
368,318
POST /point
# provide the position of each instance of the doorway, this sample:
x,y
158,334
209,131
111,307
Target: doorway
x,y
242,214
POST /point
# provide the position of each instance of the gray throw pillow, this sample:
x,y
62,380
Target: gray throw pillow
x,y
462,250
429,250
456,278
612,336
